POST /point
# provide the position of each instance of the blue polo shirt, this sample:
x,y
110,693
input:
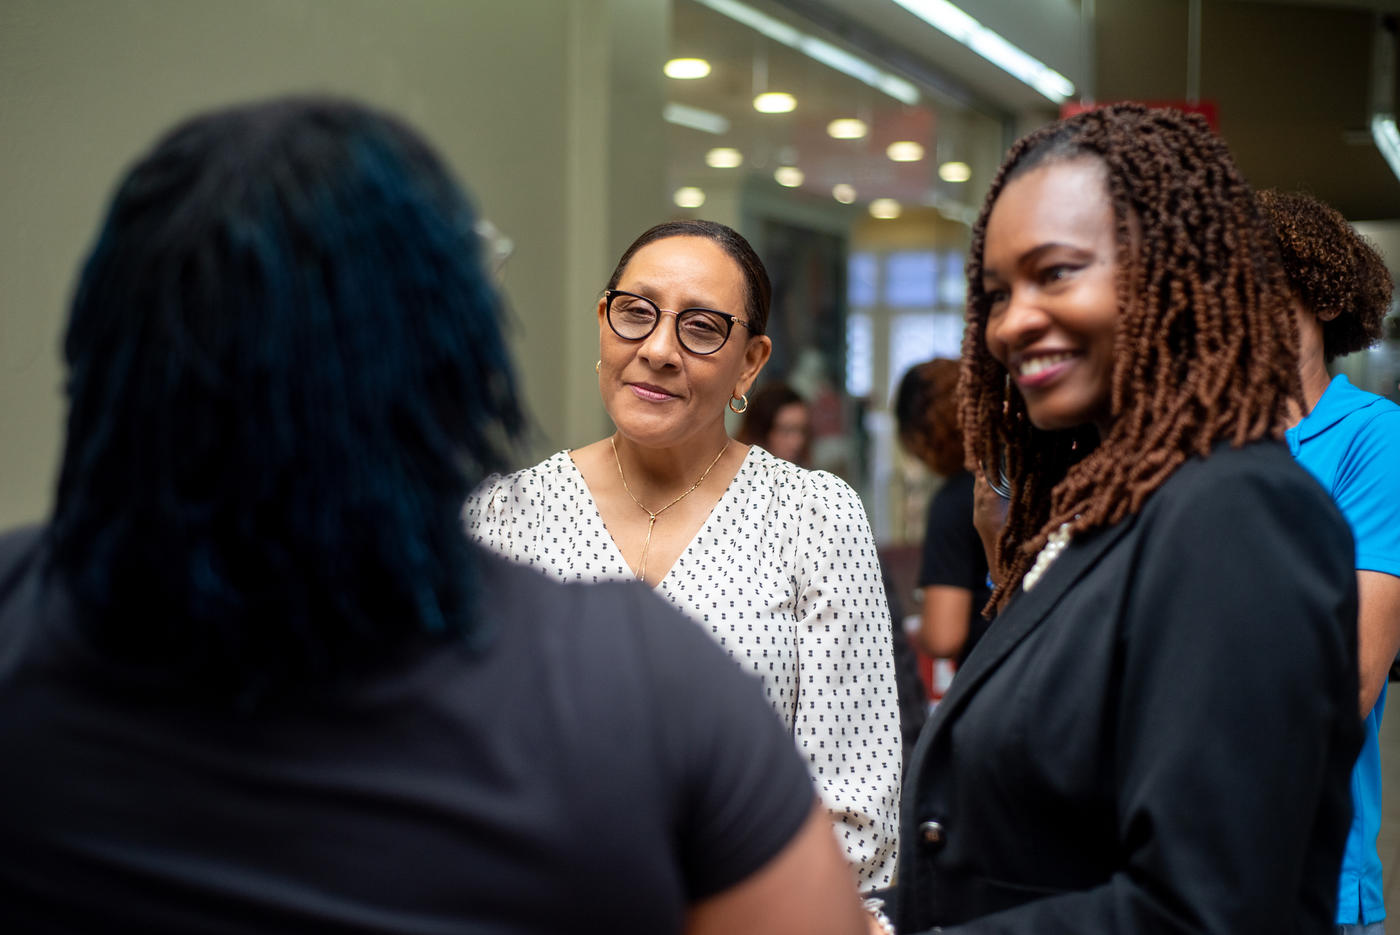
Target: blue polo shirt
x,y
1351,444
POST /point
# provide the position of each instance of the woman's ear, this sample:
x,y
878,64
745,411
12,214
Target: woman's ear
x,y
756,354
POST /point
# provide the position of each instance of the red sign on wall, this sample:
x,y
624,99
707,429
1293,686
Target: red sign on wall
x,y
1206,109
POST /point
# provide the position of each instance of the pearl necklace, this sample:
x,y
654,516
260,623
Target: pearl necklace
x,y
1054,545
641,570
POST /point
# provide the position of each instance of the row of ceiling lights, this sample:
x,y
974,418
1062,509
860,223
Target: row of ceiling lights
x,y
842,128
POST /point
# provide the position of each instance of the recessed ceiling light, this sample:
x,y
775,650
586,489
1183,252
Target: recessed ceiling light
x,y
686,68
775,102
905,151
789,176
955,172
847,128
844,193
689,197
724,157
884,208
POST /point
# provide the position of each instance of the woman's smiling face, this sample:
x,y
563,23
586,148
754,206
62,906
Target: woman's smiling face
x,y
1050,278
656,392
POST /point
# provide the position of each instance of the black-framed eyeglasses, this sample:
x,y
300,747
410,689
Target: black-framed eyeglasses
x,y
699,330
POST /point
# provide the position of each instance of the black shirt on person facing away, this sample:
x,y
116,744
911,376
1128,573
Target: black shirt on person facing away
x,y
953,553
600,767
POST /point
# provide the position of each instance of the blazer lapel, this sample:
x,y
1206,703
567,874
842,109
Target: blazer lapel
x,y
1025,612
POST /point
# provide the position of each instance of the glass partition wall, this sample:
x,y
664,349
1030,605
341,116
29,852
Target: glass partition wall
x,y
857,185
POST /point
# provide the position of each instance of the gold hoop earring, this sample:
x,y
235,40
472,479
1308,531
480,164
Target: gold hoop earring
x,y
598,367
744,399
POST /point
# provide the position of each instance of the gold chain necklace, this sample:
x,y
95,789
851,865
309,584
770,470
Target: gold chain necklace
x,y
641,571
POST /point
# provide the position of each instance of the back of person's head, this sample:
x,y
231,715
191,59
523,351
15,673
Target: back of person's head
x,y
1337,275
926,413
763,409
285,372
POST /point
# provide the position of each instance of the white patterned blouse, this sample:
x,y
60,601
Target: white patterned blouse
x,y
784,575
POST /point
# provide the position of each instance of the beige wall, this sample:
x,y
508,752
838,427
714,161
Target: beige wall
x,y
531,101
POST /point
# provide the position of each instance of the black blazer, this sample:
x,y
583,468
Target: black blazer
x,y
1158,736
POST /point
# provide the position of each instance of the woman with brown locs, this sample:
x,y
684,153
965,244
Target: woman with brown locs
x,y
1156,733
1225,381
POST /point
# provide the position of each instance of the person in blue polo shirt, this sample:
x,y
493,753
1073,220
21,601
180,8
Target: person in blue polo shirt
x,y
1350,440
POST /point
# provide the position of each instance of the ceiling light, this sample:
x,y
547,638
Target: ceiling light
x,y
789,176
683,115
775,102
689,197
847,128
955,172
884,208
844,193
905,151
818,49
686,68
953,22
724,157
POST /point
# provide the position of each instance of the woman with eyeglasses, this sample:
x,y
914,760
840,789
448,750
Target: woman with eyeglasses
x,y
777,563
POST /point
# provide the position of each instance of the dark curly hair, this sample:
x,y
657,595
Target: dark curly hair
x,y
1205,348
926,412
1334,271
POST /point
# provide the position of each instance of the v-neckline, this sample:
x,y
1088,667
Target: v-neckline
x,y
607,533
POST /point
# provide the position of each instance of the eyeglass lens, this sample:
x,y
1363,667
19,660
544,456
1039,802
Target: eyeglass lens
x,y
699,330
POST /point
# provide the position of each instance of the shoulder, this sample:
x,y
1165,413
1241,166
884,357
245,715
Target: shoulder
x,y
1359,413
502,493
1377,424
1247,500
18,549
1262,465
21,561
802,485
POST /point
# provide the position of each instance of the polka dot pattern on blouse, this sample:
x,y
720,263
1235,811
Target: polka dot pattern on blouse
x,y
784,575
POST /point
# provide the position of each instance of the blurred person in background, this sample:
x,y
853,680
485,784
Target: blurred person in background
x,y
776,563
253,675
779,421
953,572
1350,440
1156,734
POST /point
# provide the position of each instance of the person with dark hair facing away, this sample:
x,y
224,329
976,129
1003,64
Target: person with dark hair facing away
x,y
1350,440
253,675
775,562
1156,734
779,421
953,573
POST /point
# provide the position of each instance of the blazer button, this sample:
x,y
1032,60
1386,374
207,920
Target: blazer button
x,y
932,833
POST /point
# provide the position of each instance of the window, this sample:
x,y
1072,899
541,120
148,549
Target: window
x,y
911,279
860,344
